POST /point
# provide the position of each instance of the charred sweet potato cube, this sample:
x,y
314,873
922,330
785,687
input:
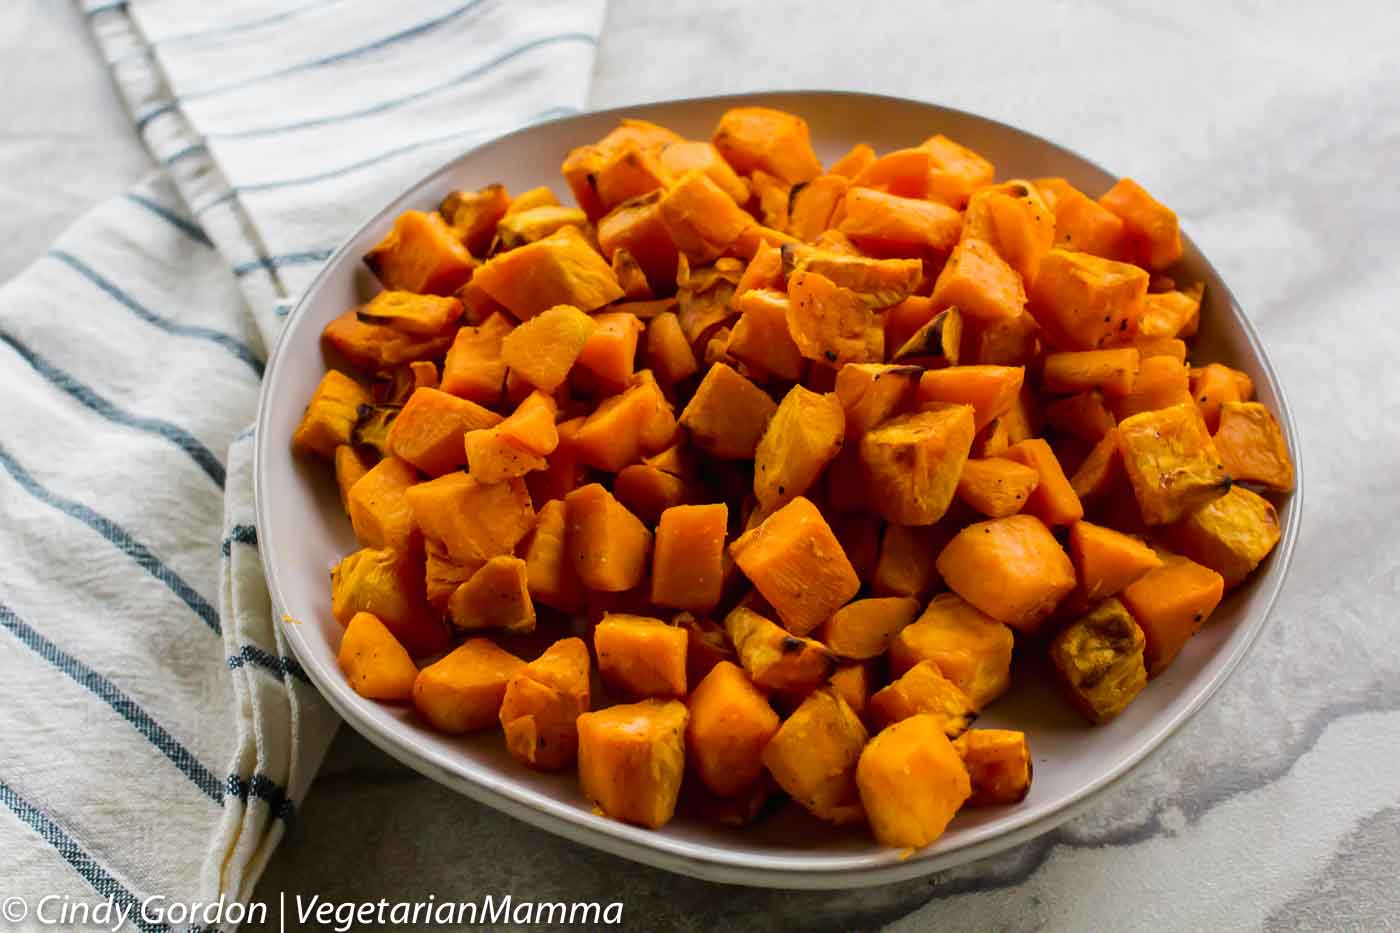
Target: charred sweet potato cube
x,y
831,323
1081,223
631,759
904,566
560,269
802,437
687,565
1112,371
871,393
379,510
543,349
388,584
811,204
641,656
474,521
421,255
863,629
473,215
1170,313
1016,221
474,369
1099,661
668,352
1230,534
997,487
760,338
1085,416
1011,568
813,757
730,724
330,415
1151,226
1162,381
1085,302
637,226
795,561
727,415
889,225
911,781
608,544
914,461
1108,560
1251,446
542,703
969,647
1171,462
880,283
421,315
980,283
924,690
772,657
1170,604
429,431
936,344
762,139
495,597
998,763
702,220
1053,500
463,692
377,666
625,427
990,390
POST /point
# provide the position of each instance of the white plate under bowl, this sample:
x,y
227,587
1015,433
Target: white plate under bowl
x,y
302,532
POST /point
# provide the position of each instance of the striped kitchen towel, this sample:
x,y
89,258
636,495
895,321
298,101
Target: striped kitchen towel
x,y
156,735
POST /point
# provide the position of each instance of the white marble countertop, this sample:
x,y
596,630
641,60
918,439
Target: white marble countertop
x,y
1274,129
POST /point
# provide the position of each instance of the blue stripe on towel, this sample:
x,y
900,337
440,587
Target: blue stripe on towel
x,y
169,746
119,537
238,534
261,787
269,263
87,867
145,119
279,667
188,227
177,435
235,346
192,149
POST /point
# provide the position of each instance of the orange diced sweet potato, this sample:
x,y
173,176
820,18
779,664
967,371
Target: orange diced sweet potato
x,y
473,215
871,393
990,390
641,656
762,139
1085,302
813,757
1108,560
802,437
495,597
549,570
1011,568
430,429
997,487
923,690
761,339
980,283
969,647
1053,500
730,725
912,781
330,415
608,544
463,692
888,225
474,521
831,323
811,204
1251,446
379,510
668,352
774,658
1162,382
1150,225
1230,535
421,255
1112,371
560,269
687,571
543,349
610,351
1171,462
999,764
914,461
1170,604
863,629
631,759
905,563
474,369
542,703
853,162
374,662
637,227
1099,660
727,415
702,220
390,585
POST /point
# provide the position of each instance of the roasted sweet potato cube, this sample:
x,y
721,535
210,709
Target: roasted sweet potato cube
x,y
831,323
813,757
496,597
442,575
377,347
1149,347
549,571
641,656
539,196
889,225
912,781
631,277
668,352
1112,371
730,724
774,658
802,437
542,703
610,351
1011,568
905,563
764,270
990,390
631,759
421,255
1016,221
1251,446
853,682
936,344
388,584
1007,342
581,166
924,690
374,662
517,228
853,162
760,338
1101,469
707,644
795,561
474,369
473,215
629,172
689,155
687,566
516,446
1171,462
564,471
811,204
727,415
330,415
1108,560
463,692
871,393
1170,604
350,465
863,629
980,283
1211,386
969,647
1170,314
1053,500
648,491
543,349
560,269
999,764
379,510
914,461
997,487
625,427
422,315
637,227
608,544
474,521
1162,381
954,171
1085,302
1151,226
762,139
1099,661
430,429
1230,535
880,283
1085,416
859,534
702,220
1081,223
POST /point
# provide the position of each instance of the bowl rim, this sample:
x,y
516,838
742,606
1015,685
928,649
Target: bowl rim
x,y
722,865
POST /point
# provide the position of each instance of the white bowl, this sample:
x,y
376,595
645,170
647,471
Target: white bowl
x,y
302,532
